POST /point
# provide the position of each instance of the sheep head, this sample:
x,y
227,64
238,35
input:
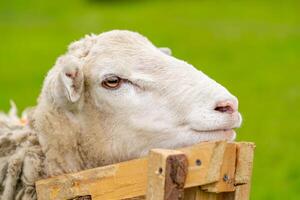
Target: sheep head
x,y
116,95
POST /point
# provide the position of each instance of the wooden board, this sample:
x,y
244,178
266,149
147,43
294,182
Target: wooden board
x,y
129,179
245,156
241,180
226,174
196,193
167,171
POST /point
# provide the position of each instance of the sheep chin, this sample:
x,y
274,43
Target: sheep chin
x,y
213,135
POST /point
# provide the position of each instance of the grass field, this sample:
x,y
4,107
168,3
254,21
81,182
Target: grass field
x,y
251,47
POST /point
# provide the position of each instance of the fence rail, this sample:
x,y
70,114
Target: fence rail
x,y
206,171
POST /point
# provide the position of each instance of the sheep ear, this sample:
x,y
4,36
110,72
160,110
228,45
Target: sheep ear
x,y
72,78
166,50
72,74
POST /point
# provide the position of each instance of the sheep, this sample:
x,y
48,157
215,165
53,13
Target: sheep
x,y
111,97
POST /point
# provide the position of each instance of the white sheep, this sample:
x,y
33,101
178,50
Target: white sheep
x,y
110,98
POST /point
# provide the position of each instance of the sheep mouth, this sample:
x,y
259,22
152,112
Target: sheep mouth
x,y
212,130
218,134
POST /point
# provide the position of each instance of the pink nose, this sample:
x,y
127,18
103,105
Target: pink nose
x,y
227,106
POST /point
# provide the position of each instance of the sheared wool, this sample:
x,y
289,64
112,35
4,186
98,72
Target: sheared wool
x,y
20,157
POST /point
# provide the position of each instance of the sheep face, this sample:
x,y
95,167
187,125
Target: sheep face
x,y
129,96
151,99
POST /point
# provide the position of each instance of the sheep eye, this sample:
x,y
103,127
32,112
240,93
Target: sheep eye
x,y
113,82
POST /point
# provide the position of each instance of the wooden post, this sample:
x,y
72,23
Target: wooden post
x,y
167,171
245,156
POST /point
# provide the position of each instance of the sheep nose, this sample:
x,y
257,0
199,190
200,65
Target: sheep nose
x,y
227,106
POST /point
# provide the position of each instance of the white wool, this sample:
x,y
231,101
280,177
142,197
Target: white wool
x,y
20,157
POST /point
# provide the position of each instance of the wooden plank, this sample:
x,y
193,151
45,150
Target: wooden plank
x,y
205,162
245,156
123,180
243,172
129,179
203,195
226,174
196,193
167,171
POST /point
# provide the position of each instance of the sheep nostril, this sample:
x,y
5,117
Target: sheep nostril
x,y
226,107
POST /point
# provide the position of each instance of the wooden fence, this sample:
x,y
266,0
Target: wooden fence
x,y
206,171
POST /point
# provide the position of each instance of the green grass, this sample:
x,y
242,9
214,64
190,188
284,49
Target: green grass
x,y
251,47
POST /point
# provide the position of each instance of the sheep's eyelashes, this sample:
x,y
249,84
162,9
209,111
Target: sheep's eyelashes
x,y
113,82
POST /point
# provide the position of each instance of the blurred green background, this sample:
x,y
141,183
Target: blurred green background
x,y
251,47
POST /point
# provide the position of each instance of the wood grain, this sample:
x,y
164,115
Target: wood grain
x,y
207,164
